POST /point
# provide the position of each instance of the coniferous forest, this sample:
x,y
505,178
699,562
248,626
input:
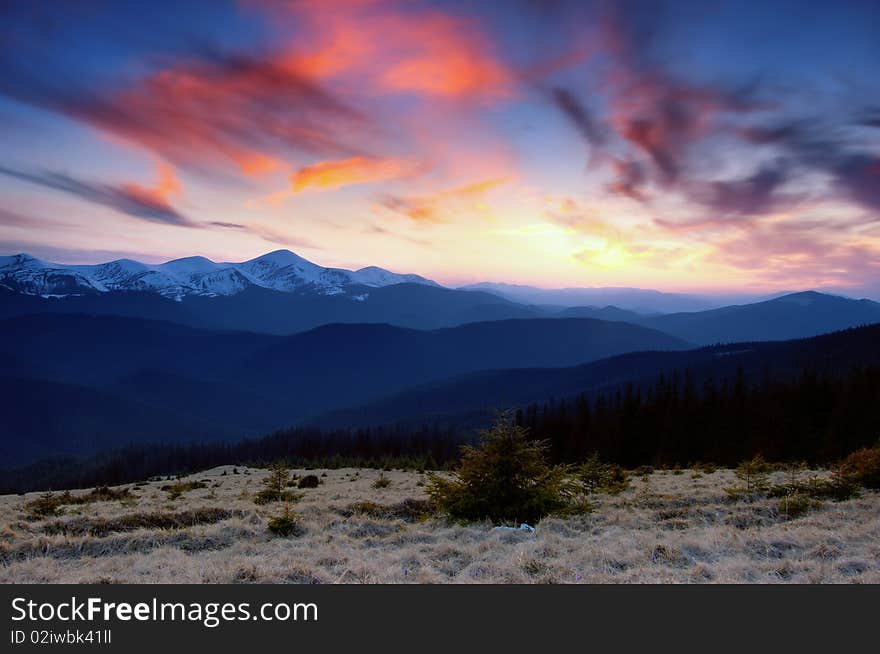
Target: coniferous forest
x,y
814,417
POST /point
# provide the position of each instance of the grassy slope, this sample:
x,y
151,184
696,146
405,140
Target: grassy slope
x,y
672,528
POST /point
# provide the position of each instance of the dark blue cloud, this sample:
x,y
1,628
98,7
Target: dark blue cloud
x,y
126,199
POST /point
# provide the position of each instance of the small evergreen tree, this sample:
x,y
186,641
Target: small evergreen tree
x,y
505,478
286,524
754,473
381,481
597,476
274,486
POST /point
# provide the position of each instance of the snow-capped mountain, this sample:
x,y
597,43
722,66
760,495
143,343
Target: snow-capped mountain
x,y
281,270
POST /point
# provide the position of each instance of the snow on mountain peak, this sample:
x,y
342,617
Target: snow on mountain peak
x,y
280,258
17,260
281,270
190,265
375,276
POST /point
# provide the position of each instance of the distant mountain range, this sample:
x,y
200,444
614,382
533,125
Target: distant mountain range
x,y
796,315
281,270
282,293
278,293
638,300
264,310
287,272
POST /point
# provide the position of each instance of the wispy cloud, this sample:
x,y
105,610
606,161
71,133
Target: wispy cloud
x,y
268,233
758,194
579,116
828,149
145,203
810,255
656,129
438,207
381,231
210,111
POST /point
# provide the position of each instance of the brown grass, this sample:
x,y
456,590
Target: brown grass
x,y
665,528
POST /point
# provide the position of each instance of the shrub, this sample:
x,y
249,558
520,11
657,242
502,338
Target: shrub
x,y
839,486
596,476
863,467
381,481
647,495
309,481
104,494
842,485
129,501
505,478
101,527
797,504
176,490
49,504
286,524
754,474
274,485
46,505
269,495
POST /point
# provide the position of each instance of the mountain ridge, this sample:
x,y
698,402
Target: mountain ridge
x,y
280,270
210,383
794,315
471,399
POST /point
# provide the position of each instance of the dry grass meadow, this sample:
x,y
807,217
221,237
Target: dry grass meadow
x,y
668,527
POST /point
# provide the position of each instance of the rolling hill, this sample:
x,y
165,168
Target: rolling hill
x,y
471,399
270,311
796,315
45,418
182,380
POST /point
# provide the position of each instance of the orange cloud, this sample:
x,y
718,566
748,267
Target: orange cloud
x,y
215,111
436,207
446,57
158,196
219,109
255,163
147,203
475,189
168,182
401,49
356,170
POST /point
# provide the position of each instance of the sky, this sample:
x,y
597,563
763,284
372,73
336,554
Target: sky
x,y
686,146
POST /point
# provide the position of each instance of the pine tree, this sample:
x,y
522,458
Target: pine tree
x,y
754,473
505,478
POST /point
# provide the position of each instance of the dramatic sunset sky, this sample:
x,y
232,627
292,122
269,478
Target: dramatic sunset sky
x,y
704,145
